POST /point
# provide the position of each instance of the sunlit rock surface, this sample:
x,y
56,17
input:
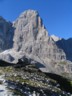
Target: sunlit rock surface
x,y
28,37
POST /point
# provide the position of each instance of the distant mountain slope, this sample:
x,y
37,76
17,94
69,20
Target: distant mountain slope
x,y
66,46
6,34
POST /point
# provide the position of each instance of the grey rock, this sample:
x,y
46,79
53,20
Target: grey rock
x,y
30,38
6,57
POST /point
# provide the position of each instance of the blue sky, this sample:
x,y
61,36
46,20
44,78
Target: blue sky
x,y
56,14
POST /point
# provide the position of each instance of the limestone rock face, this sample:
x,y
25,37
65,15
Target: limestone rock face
x,y
32,37
29,38
6,34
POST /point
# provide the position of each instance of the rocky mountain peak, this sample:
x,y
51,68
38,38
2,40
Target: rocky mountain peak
x,y
29,28
30,39
29,13
29,16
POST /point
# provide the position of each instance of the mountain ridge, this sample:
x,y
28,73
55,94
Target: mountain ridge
x,y
31,39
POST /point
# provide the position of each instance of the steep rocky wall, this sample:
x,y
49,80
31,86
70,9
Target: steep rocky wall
x,y
32,37
6,34
28,37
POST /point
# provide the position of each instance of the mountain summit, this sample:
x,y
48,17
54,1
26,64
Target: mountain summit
x,y
30,39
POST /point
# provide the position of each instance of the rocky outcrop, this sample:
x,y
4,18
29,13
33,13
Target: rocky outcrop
x,y
32,37
31,40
